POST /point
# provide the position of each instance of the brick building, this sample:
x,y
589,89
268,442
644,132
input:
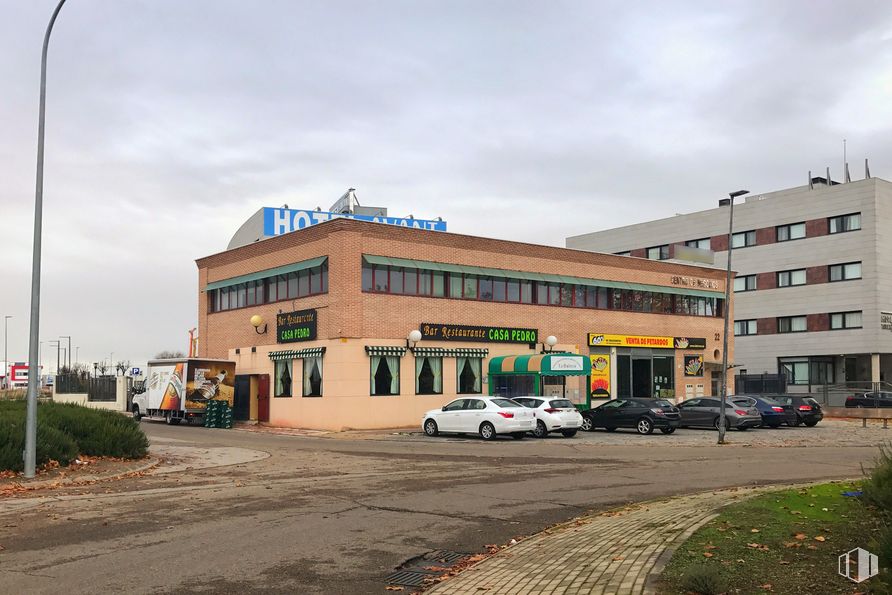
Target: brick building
x,y
323,314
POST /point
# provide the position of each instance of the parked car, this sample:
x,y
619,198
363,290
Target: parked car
x,y
642,414
773,413
552,415
487,416
808,411
873,399
706,412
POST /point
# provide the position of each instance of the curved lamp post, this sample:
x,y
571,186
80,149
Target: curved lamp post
x,y
30,454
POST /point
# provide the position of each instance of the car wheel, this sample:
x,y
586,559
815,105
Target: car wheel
x,y
811,424
540,431
568,433
717,421
611,429
518,435
795,423
644,426
742,428
430,428
859,406
487,431
667,430
136,415
587,424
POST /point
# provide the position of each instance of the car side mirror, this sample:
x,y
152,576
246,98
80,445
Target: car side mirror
x,y
443,408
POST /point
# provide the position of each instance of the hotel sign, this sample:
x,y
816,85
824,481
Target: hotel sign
x,y
292,327
483,334
603,340
281,221
695,282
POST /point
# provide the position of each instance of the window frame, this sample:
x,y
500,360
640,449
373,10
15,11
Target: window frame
x,y
749,239
789,229
789,274
842,268
749,322
746,284
289,363
696,243
845,322
790,319
662,254
843,219
303,373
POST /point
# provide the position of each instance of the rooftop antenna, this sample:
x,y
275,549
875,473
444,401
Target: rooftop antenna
x,y
811,182
866,169
848,176
828,176
844,159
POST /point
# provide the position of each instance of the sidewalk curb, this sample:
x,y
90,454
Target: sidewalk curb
x,y
150,462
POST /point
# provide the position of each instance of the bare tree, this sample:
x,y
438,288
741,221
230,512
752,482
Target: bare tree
x,y
103,368
169,354
121,367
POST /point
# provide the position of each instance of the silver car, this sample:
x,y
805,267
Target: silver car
x,y
705,412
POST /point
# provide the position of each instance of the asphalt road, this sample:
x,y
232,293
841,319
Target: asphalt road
x,y
334,515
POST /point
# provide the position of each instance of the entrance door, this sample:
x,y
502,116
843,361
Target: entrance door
x,y
642,378
241,406
263,397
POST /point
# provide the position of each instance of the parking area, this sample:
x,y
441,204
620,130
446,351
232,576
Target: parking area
x,y
830,432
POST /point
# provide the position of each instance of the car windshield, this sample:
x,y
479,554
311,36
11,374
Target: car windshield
x,y
811,402
506,403
746,402
784,400
561,403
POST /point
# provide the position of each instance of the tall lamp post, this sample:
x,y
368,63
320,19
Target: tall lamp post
x,y
5,350
68,351
58,353
727,309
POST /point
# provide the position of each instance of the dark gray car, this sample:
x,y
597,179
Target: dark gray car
x,y
704,412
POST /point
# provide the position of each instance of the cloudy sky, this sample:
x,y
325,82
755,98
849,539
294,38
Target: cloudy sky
x,y
169,122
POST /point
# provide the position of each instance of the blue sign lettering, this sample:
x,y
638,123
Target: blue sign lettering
x,y
279,221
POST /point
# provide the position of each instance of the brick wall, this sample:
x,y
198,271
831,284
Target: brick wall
x,y
816,227
766,326
818,322
818,274
766,235
766,281
719,243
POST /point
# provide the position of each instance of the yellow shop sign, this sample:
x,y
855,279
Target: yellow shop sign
x,y
601,340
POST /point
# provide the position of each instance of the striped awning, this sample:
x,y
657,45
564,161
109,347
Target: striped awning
x,y
297,353
449,352
381,350
546,364
266,273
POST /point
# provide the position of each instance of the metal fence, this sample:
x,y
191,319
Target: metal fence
x,y
103,388
835,395
760,384
68,384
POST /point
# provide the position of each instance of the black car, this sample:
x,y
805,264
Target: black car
x,y
877,399
808,411
642,414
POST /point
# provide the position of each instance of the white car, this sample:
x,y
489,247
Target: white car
x,y
487,416
553,415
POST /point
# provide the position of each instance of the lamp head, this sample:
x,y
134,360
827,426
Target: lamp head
x,y
257,322
551,341
415,336
737,193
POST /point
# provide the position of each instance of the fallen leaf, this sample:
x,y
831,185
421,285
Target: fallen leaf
x,y
801,536
820,538
710,547
812,547
617,558
392,588
784,563
766,587
754,530
792,544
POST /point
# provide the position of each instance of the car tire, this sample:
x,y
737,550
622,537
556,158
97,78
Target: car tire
x,y
667,430
716,422
487,431
610,429
587,424
540,431
811,424
136,415
568,433
518,435
644,426
742,428
430,428
795,423
859,406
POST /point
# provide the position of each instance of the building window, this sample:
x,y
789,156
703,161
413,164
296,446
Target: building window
x,y
658,252
791,231
843,223
313,376
385,375
792,324
744,283
470,377
844,320
428,375
702,243
845,272
744,327
276,288
796,370
743,239
283,377
790,278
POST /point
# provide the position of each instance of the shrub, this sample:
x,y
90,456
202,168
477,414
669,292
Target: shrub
x,y
877,488
64,431
704,579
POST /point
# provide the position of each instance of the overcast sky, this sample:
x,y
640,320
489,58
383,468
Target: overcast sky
x,y
169,122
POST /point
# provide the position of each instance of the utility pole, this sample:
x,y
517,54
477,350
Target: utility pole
x,y
69,350
6,350
57,355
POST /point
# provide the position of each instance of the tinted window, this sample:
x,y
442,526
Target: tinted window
x,y
769,401
612,404
692,403
455,405
785,400
744,402
636,404
505,403
561,403
663,404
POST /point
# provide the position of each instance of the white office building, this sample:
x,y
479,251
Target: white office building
x,y
813,289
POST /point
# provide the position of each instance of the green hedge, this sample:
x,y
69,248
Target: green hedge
x,y
65,431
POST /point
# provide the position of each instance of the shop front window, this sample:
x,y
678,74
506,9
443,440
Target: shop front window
x,y
428,375
385,375
469,375
283,377
313,377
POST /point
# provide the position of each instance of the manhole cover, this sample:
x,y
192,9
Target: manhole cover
x,y
418,571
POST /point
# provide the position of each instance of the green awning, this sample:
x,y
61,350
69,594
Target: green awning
x,y
531,276
545,364
297,353
449,352
382,350
283,270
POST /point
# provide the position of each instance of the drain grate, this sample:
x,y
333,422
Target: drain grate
x,y
416,571
446,556
409,578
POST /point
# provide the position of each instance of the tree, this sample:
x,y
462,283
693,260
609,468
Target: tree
x,y
103,368
122,367
169,354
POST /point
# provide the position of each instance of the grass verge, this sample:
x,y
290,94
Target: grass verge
x,y
787,541
66,431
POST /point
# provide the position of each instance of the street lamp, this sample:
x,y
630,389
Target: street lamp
x,y
30,454
58,352
5,350
723,419
69,350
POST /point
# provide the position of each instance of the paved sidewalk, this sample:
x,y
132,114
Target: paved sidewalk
x,y
616,552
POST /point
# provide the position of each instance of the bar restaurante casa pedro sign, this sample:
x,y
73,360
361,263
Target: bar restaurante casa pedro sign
x,y
484,334
604,340
292,327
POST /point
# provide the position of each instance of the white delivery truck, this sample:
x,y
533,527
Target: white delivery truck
x,y
178,389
